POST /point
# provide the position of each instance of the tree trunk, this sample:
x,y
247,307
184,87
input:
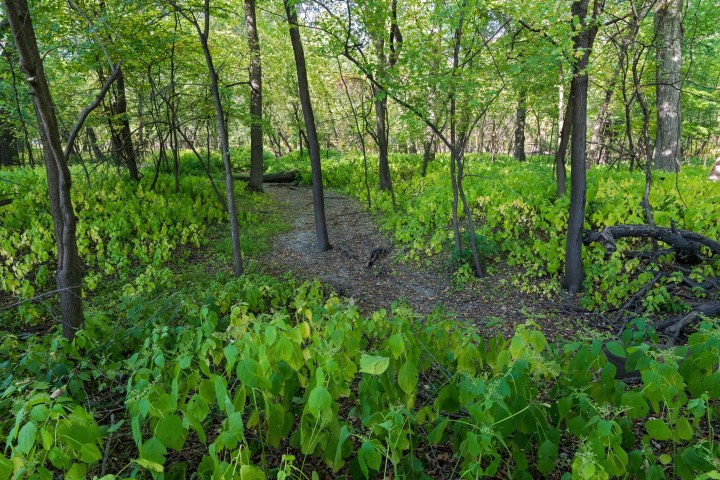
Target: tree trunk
x,y
93,141
8,143
582,42
312,138
256,133
594,149
203,35
428,152
123,138
520,117
668,39
382,139
68,275
565,130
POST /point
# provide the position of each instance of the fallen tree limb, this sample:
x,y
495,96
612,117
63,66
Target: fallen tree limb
x,y
684,242
282,177
673,326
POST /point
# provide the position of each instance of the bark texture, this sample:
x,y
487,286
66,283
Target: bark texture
x,y
68,275
311,132
256,113
668,44
520,118
582,42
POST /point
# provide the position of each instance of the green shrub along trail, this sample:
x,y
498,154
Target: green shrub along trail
x,y
183,371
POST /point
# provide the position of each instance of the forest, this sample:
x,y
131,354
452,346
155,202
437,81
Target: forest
x,y
335,239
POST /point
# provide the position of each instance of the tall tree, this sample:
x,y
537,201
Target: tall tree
x,y
520,117
68,275
256,133
119,124
384,62
204,36
582,47
323,241
668,43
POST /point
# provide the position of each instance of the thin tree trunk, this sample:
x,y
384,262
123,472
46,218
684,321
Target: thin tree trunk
x,y
668,38
125,146
16,97
382,139
594,148
428,153
312,138
68,275
256,113
92,139
565,130
203,35
582,42
520,118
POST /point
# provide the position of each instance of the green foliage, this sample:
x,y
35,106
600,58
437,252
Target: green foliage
x,y
517,210
126,233
264,364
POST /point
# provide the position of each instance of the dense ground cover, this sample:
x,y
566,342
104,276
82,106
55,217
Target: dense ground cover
x,y
257,377
520,220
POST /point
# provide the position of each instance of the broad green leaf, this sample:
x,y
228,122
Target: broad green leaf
x,y
616,349
170,432
26,438
658,429
684,429
408,377
373,364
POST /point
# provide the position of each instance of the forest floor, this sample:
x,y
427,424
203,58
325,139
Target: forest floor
x,y
491,303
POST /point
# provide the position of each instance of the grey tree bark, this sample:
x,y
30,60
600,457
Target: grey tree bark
x,y
311,132
256,133
582,42
68,276
203,35
520,118
668,44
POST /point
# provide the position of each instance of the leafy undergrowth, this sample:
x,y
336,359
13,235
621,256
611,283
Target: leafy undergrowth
x,y
256,378
126,232
517,210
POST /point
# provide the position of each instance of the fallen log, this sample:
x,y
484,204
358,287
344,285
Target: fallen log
x,y
282,177
673,326
684,242
5,201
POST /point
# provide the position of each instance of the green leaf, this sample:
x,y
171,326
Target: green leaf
x,y
230,352
616,349
373,364
6,468
251,472
436,434
342,438
90,453
369,456
40,413
320,401
637,406
396,345
251,374
170,432
153,451
658,429
150,465
684,429
547,455
408,377
26,438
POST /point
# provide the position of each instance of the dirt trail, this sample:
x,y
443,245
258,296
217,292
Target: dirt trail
x,y
354,235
